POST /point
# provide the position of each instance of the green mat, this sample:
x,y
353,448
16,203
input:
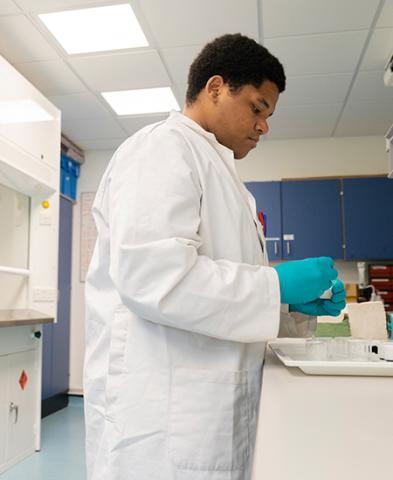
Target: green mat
x,y
333,329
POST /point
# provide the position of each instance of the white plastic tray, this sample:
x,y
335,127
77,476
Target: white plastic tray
x,y
292,353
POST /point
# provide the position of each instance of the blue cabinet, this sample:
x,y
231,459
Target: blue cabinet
x,y
311,219
368,218
56,337
268,199
69,173
348,219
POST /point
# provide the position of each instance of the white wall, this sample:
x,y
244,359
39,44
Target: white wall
x,y
315,157
91,173
273,160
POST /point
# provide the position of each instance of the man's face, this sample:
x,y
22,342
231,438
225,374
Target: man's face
x,y
239,119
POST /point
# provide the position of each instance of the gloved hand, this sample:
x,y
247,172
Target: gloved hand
x,y
302,281
332,306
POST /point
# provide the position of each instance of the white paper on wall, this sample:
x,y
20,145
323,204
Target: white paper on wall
x,y
88,233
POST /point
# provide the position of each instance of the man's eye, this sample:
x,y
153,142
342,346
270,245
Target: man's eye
x,y
255,109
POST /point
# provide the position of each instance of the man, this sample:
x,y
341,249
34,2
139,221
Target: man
x,y
180,300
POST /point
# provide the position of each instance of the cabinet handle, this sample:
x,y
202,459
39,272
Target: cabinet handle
x,y
14,408
275,248
288,248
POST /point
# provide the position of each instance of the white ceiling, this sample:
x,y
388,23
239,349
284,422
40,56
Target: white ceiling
x,y
333,52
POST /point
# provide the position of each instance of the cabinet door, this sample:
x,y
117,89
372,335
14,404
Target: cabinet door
x,y
3,408
22,403
61,329
47,361
368,218
268,199
56,337
40,139
311,219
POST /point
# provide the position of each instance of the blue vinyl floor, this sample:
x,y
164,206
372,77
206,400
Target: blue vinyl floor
x,y
62,455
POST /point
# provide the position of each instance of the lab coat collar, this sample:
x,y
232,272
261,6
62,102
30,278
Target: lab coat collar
x,y
180,117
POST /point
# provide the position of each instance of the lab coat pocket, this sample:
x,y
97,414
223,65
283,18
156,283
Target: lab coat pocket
x,y
209,426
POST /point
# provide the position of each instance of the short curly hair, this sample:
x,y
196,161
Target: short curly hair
x,y
239,60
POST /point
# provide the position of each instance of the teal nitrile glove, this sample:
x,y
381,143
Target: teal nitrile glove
x,y
331,306
302,281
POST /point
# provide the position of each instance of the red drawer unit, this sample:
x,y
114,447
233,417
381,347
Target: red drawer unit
x,y
381,277
382,283
384,271
386,295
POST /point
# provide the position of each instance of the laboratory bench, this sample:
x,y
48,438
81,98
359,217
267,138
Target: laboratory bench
x,y
20,384
19,317
322,426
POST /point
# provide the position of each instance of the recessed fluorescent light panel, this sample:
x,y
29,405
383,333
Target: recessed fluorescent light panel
x,y
98,29
22,111
138,102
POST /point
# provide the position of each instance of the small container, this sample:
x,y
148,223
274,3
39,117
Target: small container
x,y
363,350
358,349
339,348
318,348
386,351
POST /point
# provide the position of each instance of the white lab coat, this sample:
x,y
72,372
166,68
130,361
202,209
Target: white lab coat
x,y
179,306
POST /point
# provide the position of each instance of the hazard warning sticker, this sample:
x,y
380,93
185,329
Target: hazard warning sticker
x,y
23,380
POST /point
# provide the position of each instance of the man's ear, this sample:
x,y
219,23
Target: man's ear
x,y
214,87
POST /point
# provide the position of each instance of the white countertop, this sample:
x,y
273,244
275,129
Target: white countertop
x,y
323,427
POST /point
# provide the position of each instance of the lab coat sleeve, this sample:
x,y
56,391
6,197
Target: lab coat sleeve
x,y
295,324
155,198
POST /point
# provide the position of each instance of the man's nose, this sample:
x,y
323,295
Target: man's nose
x,y
262,126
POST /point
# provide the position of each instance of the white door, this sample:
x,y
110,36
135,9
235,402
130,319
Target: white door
x,y
22,407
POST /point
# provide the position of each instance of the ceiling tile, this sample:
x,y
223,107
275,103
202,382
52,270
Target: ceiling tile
x,y
93,128
366,118
124,71
316,54
386,16
378,50
51,78
100,144
369,86
80,105
8,7
178,61
20,41
178,22
51,5
305,90
304,121
282,18
133,124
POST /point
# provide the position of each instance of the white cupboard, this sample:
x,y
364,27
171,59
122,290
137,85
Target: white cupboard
x,y
20,390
